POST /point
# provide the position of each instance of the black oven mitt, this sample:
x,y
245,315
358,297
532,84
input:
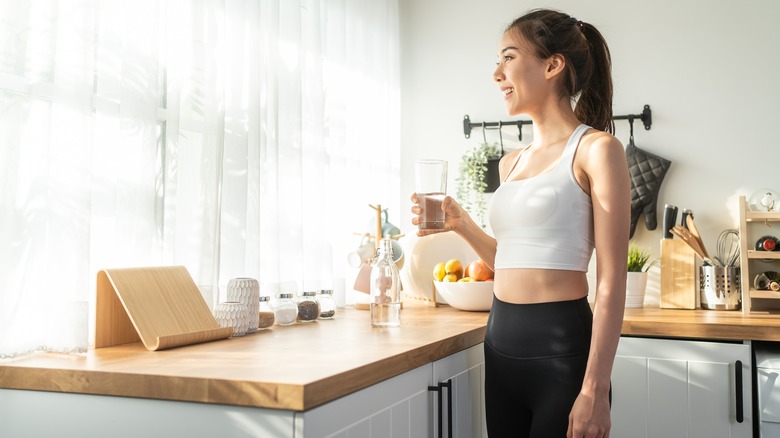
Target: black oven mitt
x,y
647,171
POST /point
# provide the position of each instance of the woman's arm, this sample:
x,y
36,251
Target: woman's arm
x,y
604,163
458,220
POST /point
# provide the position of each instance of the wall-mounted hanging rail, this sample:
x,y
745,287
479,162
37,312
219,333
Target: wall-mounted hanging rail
x,y
646,116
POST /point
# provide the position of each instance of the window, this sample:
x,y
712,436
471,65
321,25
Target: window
x,y
236,138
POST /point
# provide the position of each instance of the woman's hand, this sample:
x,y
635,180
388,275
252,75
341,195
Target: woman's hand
x,y
589,417
454,216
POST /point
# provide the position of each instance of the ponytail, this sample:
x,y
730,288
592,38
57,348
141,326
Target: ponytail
x,y
594,106
587,78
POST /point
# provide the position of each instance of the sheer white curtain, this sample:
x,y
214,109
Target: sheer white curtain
x,y
236,138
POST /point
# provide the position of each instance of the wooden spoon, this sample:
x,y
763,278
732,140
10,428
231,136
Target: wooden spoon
x,y
686,236
695,232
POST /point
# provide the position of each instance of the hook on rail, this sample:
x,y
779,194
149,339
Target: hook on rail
x,y
646,116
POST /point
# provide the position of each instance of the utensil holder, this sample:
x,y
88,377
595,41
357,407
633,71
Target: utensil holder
x,y
719,288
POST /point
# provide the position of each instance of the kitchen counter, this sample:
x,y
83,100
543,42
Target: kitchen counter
x,y
295,367
701,324
303,366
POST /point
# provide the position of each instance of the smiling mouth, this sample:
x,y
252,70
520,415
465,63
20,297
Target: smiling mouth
x,y
508,91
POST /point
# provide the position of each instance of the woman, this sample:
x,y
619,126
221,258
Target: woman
x,y
548,357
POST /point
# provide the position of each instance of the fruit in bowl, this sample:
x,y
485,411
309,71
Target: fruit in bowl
x,y
479,271
452,270
465,289
466,295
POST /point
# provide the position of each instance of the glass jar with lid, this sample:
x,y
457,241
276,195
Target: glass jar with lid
x,y
266,316
327,304
285,309
308,307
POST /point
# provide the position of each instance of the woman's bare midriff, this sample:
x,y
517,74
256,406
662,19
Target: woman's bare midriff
x,y
526,286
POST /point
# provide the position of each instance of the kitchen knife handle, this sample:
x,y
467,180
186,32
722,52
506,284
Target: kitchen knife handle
x,y
738,384
670,216
684,221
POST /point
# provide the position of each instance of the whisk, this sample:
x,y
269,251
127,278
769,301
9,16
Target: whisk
x,y
728,247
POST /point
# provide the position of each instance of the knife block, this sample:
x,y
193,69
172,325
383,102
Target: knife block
x,y
678,275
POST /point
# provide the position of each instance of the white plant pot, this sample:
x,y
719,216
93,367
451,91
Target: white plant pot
x,y
636,285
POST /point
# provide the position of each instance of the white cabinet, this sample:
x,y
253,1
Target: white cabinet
x,y
464,408
768,388
400,407
673,388
405,406
394,408
41,414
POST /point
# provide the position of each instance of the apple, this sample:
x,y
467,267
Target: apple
x,y
479,271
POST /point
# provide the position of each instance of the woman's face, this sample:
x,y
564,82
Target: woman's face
x,y
520,76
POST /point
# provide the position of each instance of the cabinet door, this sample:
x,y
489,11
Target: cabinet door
x,y
670,388
63,414
395,408
466,370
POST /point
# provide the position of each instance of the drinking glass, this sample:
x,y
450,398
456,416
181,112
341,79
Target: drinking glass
x,y
431,186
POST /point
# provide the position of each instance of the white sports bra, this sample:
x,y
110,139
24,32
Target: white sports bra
x,y
545,221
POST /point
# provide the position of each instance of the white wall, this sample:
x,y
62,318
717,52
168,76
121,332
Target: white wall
x,y
710,70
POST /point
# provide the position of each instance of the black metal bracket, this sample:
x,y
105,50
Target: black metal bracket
x,y
646,116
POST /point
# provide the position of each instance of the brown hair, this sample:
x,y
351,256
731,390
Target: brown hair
x,y
588,70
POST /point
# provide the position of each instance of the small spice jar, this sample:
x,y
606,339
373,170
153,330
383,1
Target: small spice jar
x,y
327,304
285,309
266,316
308,307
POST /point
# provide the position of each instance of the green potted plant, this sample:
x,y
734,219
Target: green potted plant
x,y
636,280
638,258
478,174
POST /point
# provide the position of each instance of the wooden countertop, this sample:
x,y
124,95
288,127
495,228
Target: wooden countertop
x,y
300,367
701,324
294,367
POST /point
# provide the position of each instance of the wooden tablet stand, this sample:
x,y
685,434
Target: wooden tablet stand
x,y
160,306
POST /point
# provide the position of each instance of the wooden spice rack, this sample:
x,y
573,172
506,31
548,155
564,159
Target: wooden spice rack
x,y
752,224
160,306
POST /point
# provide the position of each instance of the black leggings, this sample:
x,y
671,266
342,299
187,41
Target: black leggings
x,y
535,359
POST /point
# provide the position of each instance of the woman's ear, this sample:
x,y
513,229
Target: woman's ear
x,y
555,65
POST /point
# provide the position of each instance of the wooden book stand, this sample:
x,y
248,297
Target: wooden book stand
x,y
160,306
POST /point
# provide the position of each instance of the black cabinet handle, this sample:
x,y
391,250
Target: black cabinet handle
x,y
449,406
440,399
738,382
438,390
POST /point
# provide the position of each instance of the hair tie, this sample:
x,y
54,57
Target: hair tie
x,y
580,24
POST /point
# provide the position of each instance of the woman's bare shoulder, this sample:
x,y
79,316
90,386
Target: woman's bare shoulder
x,y
595,138
597,146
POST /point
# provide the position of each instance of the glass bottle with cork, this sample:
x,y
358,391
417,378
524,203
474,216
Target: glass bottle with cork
x,y
385,285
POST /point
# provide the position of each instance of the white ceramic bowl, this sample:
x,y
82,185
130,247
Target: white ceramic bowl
x,y
423,253
472,295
